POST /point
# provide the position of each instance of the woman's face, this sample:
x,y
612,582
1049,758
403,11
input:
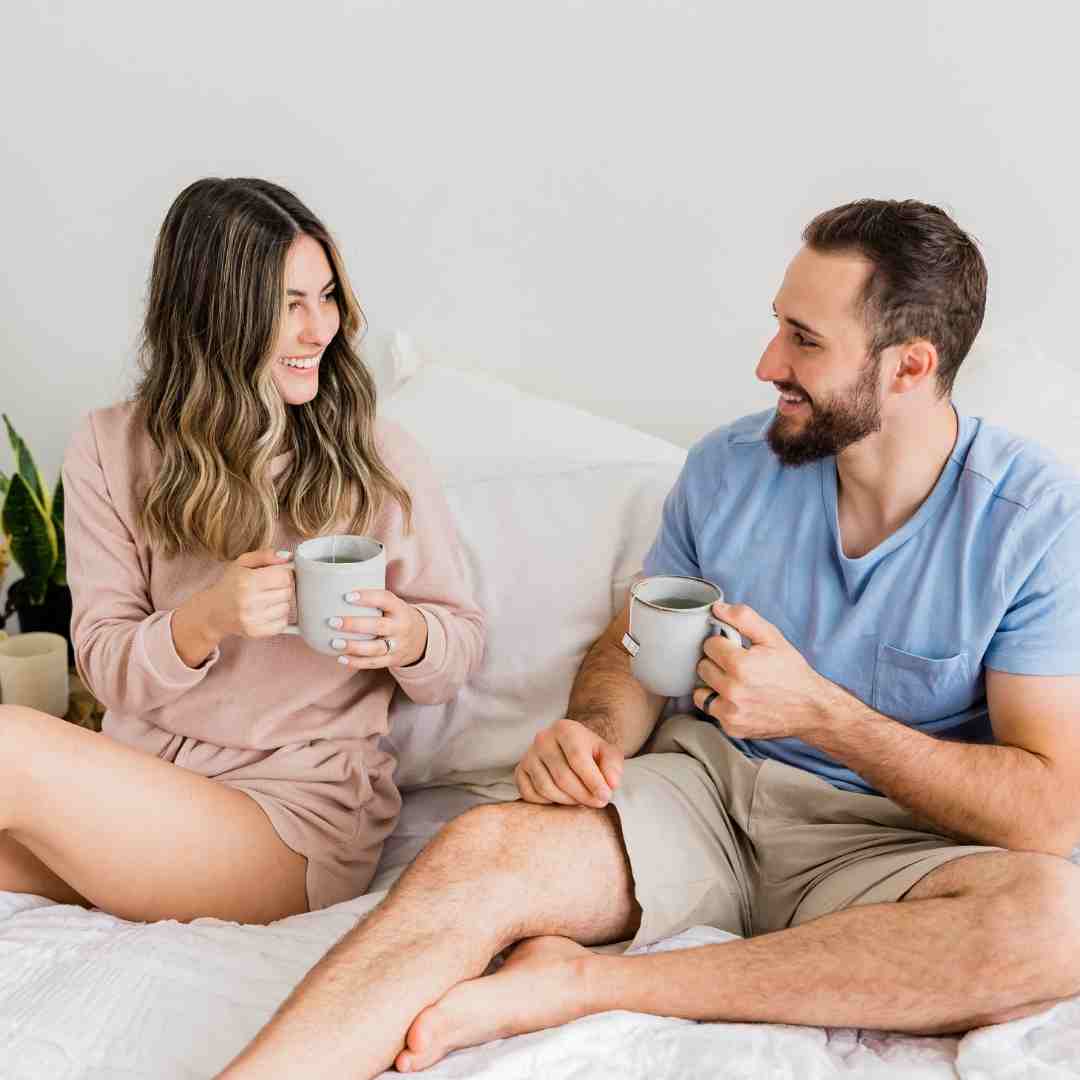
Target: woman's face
x,y
310,321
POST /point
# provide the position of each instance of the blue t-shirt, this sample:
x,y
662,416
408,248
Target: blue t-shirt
x,y
985,574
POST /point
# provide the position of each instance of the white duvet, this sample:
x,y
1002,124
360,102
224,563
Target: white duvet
x,y
84,995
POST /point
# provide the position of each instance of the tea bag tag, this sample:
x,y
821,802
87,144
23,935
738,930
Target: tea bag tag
x,y
630,645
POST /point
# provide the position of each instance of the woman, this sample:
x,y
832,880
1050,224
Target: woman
x,y
253,428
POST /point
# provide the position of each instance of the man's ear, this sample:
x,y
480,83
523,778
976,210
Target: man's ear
x,y
916,362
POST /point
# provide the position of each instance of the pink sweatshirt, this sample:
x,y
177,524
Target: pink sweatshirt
x,y
251,693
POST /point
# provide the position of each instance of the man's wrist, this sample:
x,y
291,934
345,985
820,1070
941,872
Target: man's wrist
x,y
598,721
833,713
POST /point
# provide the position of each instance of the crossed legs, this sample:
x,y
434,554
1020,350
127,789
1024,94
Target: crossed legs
x,y
979,940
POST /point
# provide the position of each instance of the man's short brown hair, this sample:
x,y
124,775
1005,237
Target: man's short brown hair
x,y
928,278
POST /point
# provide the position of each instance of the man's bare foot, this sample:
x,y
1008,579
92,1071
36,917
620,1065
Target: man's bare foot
x,y
540,985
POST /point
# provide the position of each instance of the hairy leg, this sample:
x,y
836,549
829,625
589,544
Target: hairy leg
x,y
980,940
136,836
493,876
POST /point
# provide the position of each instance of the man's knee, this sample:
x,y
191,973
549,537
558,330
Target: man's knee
x,y
492,837
1036,918
483,828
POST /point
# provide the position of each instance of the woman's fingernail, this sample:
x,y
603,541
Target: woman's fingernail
x,y
283,554
352,597
335,622
337,643
342,659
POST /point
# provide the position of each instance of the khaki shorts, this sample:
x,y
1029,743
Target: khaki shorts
x,y
719,839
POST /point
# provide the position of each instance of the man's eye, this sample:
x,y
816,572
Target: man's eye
x,y
806,343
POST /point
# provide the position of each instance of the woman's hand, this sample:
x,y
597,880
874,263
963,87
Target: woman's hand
x,y
400,632
253,598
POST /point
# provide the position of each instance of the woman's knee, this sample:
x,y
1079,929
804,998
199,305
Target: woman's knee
x,y
14,718
18,723
18,726
24,734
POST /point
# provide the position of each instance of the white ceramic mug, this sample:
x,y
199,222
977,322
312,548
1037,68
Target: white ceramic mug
x,y
326,570
34,672
670,620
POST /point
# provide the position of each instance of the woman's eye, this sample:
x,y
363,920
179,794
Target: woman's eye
x,y
330,296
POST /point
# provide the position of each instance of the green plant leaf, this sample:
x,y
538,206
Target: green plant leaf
x,y
24,462
59,574
33,537
3,483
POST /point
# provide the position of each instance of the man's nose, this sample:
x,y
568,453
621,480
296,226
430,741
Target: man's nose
x,y
772,366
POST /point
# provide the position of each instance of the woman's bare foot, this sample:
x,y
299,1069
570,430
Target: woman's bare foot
x,y
541,985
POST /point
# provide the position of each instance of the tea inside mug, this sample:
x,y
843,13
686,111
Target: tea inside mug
x,y
671,592
339,549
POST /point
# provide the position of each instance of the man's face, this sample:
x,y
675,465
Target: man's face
x,y
830,389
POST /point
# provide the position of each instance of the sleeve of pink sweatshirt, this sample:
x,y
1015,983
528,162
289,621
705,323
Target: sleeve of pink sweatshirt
x,y
426,567
124,649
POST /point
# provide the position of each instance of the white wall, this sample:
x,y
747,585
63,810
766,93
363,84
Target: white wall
x,y
595,199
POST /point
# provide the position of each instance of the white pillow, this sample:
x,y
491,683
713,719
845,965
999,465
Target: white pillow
x,y
480,426
550,558
556,509
1015,386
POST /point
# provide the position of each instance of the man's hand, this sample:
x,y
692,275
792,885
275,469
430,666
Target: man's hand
x,y
767,691
569,764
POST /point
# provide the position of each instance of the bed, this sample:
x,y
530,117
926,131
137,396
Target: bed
x,y
556,508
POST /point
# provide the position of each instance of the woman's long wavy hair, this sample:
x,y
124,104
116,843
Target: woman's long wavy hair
x,y
207,394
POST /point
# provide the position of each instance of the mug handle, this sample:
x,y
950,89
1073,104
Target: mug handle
x,y
716,627
722,629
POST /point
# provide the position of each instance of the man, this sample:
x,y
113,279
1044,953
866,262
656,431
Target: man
x,y
882,800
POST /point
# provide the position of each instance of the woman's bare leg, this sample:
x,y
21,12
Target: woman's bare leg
x,y
23,872
137,836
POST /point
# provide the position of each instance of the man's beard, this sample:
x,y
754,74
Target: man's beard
x,y
833,425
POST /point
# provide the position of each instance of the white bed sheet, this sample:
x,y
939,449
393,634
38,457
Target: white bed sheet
x,y
85,996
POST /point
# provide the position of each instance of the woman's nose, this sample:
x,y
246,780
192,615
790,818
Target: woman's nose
x,y
320,328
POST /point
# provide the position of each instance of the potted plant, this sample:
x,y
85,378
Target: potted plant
x,y
33,524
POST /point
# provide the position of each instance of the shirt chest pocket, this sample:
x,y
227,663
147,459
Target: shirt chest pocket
x,y
918,689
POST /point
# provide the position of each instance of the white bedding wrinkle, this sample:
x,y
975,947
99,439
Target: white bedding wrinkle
x,y
85,996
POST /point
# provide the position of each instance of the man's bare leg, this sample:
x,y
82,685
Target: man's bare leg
x,y
492,877
983,939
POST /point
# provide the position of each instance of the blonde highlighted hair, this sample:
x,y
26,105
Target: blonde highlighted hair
x,y
207,394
